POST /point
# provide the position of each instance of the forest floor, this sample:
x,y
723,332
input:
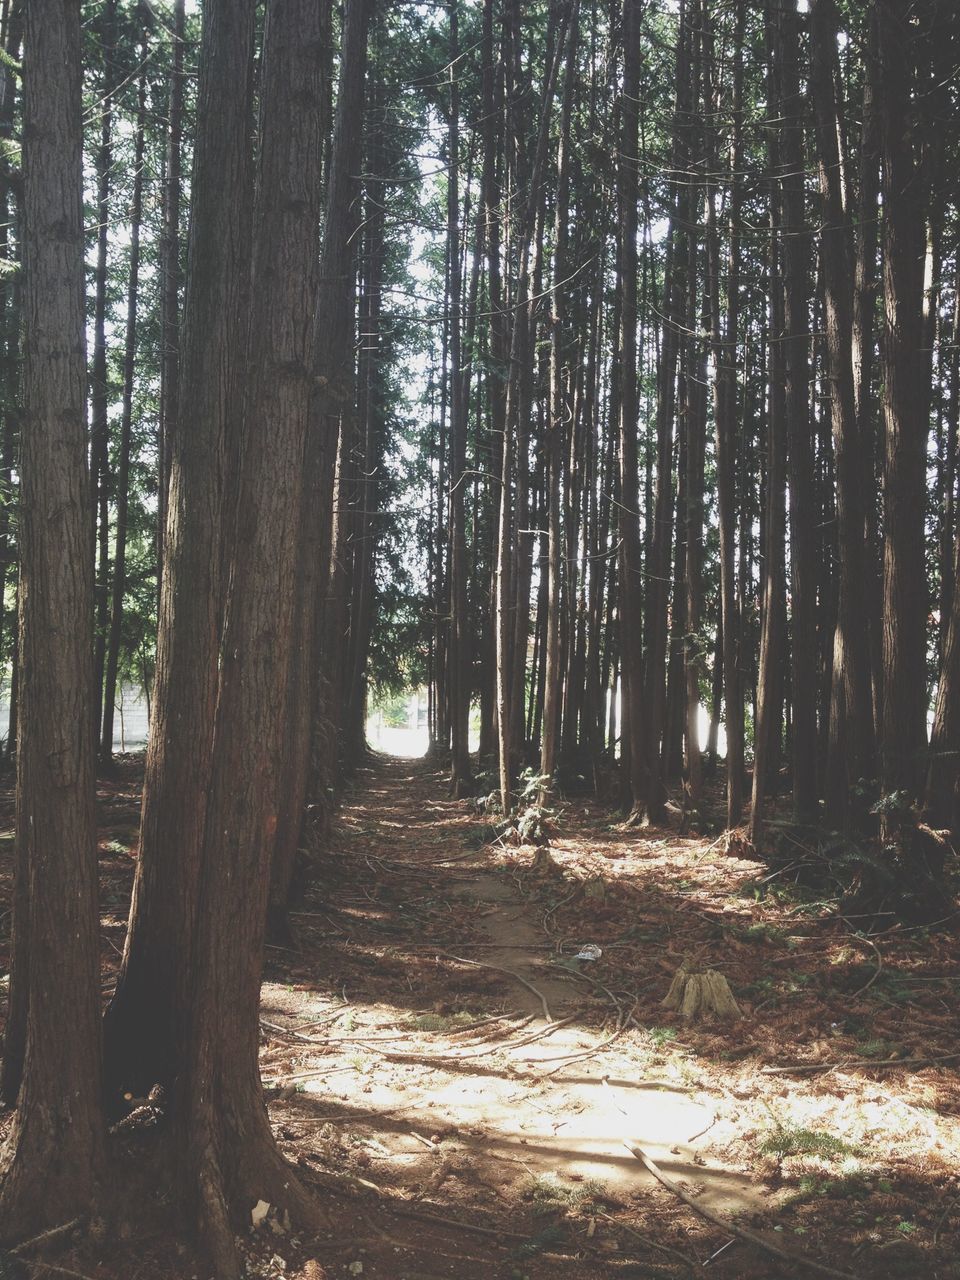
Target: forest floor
x,y
459,1086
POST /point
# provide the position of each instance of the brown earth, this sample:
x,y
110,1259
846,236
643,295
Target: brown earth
x,y
460,1088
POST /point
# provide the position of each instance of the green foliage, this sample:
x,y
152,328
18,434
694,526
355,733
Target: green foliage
x,y
794,1140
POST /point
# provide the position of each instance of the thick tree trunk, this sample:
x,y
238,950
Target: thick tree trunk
x,y
904,705
144,1026
851,741
52,1162
223,1128
309,746
725,414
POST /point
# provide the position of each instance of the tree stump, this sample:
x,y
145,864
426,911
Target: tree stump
x,y
695,995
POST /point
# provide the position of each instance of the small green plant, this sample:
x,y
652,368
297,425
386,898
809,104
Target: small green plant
x,y
848,1186
659,1036
441,1021
757,934
793,1140
876,1048
906,1228
550,1195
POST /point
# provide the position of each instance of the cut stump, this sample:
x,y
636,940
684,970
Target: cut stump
x,y
696,995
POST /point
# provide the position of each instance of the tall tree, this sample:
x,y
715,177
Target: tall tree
x,y
225,1132
126,426
144,1026
53,1160
906,424
851,742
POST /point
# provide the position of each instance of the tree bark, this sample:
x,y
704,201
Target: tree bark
x,y
224,1132
52,1163
126,429
851,742
310,746
144,1026
906,426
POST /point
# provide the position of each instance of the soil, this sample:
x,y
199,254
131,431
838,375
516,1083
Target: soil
x,y
459,1086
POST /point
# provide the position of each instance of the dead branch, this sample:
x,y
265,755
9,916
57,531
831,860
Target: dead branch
x,y
871,1064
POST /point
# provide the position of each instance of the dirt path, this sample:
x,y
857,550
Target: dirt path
x,y
458,1086
459,1054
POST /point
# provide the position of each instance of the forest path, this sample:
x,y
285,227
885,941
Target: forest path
x,y
461,1055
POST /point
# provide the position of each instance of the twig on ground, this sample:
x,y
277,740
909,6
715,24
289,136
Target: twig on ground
x,y
570,1059
691,1263
858,937
458,1224
431,1146
39,1268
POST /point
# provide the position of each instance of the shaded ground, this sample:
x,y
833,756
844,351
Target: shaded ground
x,y
459,1086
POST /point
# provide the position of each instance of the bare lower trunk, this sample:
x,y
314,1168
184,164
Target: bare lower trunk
x,y
144,1026
52,1163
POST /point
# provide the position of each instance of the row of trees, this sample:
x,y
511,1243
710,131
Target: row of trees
x,y
729,284
596,362
264,416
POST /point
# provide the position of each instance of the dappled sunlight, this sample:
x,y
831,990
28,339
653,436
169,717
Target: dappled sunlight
x,y
451,1048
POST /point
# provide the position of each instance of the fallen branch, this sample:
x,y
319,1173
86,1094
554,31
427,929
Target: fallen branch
x,y
872,1064
46,1237
724,1224
457,1224
481,964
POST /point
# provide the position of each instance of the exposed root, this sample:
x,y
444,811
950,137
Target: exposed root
x,y
216,1234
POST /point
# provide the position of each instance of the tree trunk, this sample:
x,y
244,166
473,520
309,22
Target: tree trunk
x,y
796,324
851,745
725,415
126,428
459,647
309,746
906,425
144,1026
52,1163
170,278
633,742
223,1129
553,670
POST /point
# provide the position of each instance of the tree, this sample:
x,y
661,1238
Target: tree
x,y
144,1024
52,1163
906,425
